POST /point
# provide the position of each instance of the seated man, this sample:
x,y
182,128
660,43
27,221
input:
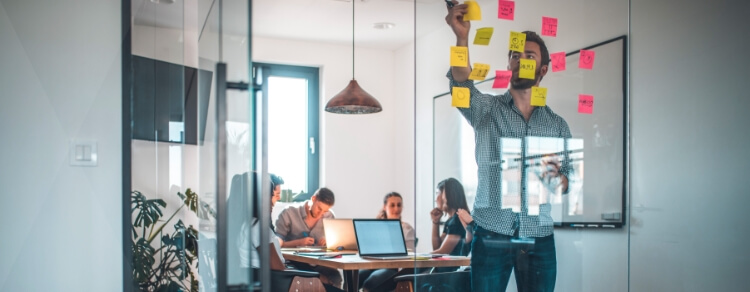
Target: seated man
x,y
248,257
302,226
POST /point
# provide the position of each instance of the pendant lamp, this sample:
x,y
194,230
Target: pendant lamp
x,y
353,99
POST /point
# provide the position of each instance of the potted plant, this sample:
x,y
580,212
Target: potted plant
x,y
165,264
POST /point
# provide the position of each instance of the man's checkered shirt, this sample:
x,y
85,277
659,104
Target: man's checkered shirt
x,y
494,117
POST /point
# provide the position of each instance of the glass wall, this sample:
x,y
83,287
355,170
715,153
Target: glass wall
x,y
482,177
192,141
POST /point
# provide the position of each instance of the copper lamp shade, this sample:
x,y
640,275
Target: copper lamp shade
x,y
353,100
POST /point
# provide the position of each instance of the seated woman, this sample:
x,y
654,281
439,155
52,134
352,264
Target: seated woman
x,y
453,240
382,279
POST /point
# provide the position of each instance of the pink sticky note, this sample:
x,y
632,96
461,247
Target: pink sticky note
x,y
502,78
558,61
506,9
585,104
586,60
549,26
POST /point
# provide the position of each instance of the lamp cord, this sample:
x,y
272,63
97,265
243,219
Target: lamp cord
x,y
353,38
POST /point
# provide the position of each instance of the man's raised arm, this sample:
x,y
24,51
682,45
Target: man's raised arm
x,y
455,20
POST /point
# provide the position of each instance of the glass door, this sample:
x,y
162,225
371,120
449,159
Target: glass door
x,y
195,163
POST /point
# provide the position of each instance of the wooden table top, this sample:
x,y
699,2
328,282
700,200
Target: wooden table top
x,y
354,262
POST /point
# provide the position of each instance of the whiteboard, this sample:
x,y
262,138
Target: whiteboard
x,y
597,185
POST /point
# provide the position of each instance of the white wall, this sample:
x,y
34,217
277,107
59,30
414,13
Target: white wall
x,y
588,260
360,154
689,99
60,80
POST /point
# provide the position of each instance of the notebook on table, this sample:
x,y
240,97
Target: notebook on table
x,y
339,234
380,239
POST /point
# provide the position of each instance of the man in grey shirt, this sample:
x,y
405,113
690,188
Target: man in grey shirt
x,y
302,226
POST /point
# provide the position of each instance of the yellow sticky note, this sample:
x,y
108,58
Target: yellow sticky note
x,y
538,96
459,56
483,36
479,71
517,42
472,11
461,97
526,69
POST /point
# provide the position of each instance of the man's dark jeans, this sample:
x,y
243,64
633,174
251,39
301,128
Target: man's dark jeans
x,y
494,256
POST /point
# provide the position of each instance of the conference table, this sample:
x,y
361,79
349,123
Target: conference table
x,y
352,263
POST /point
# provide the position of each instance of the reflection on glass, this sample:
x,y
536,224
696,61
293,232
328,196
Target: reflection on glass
x,y
287,137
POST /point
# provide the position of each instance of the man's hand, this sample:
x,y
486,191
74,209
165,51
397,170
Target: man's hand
x,y
305,241
435,215
322,241
465,217
551,164
455,20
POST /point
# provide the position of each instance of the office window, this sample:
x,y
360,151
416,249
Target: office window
x,y
293,126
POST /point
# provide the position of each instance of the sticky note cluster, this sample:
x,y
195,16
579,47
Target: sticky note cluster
x,y
483,36
517,42
527,68
459,56
538,96
461,97
473,12
502,78
506,10
586,59
549,26
479,71
585,104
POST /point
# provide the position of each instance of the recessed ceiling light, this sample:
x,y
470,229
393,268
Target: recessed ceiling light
x,y
162,1
384,25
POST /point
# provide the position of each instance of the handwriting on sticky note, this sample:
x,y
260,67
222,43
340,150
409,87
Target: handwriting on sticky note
x,y
526,69
473,12
506,9
461,97
517,42
483,36
558,61
459,56
586,59
538,96
585,104
502,78
549,26
479,71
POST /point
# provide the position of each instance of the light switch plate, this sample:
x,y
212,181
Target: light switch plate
x,y
83,153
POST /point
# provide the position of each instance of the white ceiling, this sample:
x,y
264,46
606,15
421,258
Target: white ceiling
x,y
327,21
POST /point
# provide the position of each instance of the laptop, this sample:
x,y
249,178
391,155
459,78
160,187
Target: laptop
x,y
380,239
339,234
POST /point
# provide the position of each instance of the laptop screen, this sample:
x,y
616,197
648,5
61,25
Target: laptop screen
x,y
379,237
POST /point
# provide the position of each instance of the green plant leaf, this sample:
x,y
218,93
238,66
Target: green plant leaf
x,y
143,260
191,200
148,210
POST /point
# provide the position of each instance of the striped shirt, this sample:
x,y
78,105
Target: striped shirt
x,y
493,118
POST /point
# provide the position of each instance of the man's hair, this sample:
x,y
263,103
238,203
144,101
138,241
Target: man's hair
x,y
325,196
275,181
535,38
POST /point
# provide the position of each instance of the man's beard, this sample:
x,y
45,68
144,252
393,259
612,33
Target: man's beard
x,y
523,83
